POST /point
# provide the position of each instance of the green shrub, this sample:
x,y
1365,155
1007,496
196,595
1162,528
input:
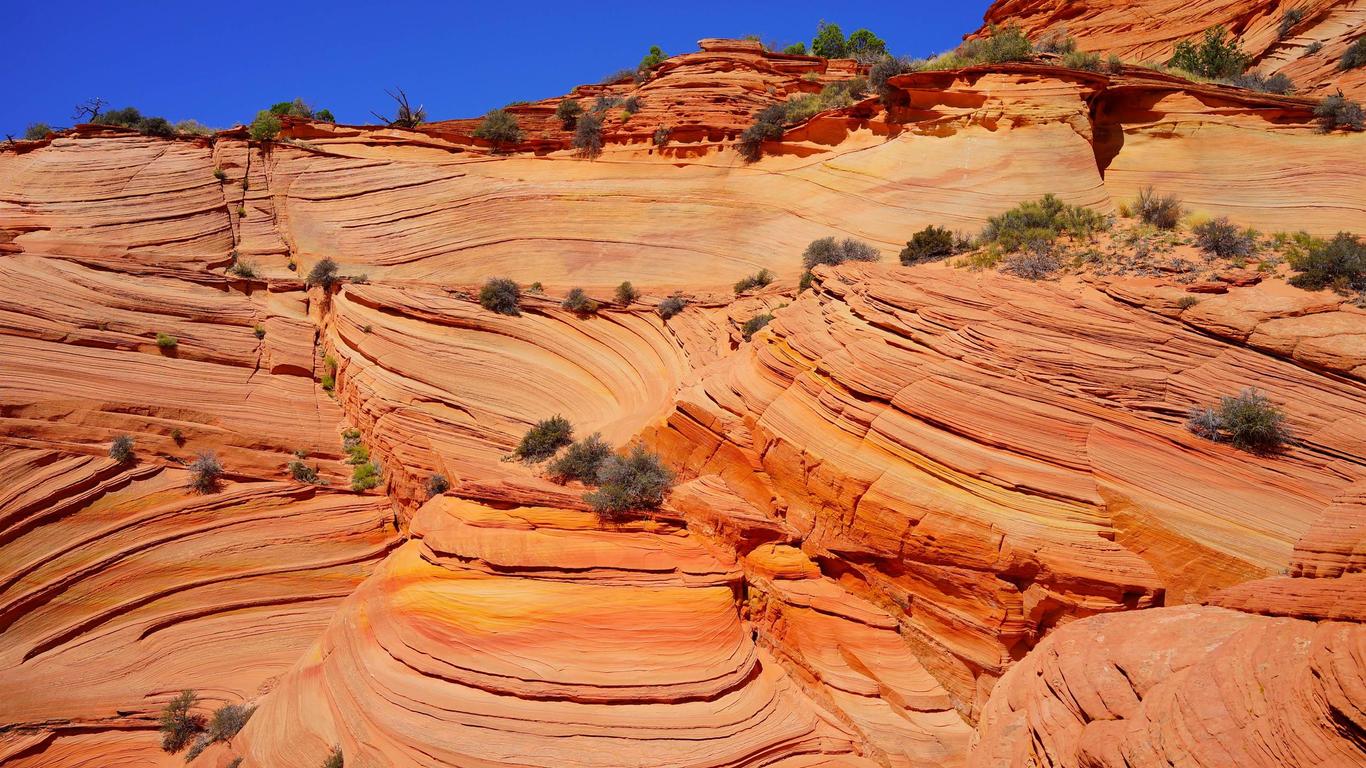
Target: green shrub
x,y
1249,421
654,58
830,42
568,112
500,295
1057,41
1217,55
206,473
578,301
827,250
757,280
1163,212
768,126
865,47
499,127
167,342
626,293
177,724
1289,20
671,306
324,273
1337,111
1354,56
753,324
544,439
324,115
805,281
797,49
121,450
265,127
929,244
259,331
365,476
302,472
1000,45
177,436
1082,60
228,720
334,759
1222,238
437,485
588,135
580,461
638,480
37,131
1041,220
356,453
1339,263
1114,64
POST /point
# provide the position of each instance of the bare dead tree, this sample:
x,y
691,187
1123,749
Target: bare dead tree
x,y
407,116
90,108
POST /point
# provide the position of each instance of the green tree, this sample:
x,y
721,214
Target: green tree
x,y
830,42
265,127
654,58
1216,56
798,49
866,46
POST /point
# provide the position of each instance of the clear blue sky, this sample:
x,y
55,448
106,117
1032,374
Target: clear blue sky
x,y
221,62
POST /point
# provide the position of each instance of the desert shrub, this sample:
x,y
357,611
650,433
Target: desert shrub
x,y
1163,212
1001,44
631,104
1256,81
356,452
242,268
1056,40
568,112
227,720
588,135
768,126
192,128
200,744
885,69
325,115
1339,263
1040,220
156,126
365,476
1114,64
1337,111
580,461
757,280
1222,238
577,301
1354,56
620,76
324,273
544,438
829,42
671,306
220,174
662,134
1082,60
626,293
828,250
654,58
1217,55
1248,420
236,763
302,472
206,473
177,436
37,131
437,484
259,331
265,127
499,127
865,47
1313,48
334,759
798,49
637,480
1186,302
121,450
753,324
177,724
167,342
1289,20
929,244
1037,259
500,295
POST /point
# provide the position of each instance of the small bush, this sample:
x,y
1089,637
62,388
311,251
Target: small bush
x,y
578,301
1057,41
768,126
167,342
865,47
1256,81
662,134
206,473
1222,238
1114,64
192,128
588,136
228,720
1354,56
638,480
885,69
302,472
1217,56
755,323
1163,212
437,485
1289,20
829,251
654,58
543,439
1037,260
929,244
626,293
536,288
631,104
1042,220
242,268
1337,111
757,280
334,759
324,273
500,295
1001,44
1249,421
177,436
121,450
265,127
356,453
671,306
797,49
499,127
177,724
1339,263
200,744
805,281
580,461
1082,60
365,476
568,113
259,331
37,131
1186,302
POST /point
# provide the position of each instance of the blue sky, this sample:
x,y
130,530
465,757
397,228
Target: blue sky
x,y
221,62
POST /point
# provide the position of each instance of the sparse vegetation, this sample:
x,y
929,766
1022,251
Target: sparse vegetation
x,y
37,131
1082,60
1289,20
1056,40
568,113
1256,81
884,69
757,280
1217,55
228,720
166,342
768,126
1223,239
755,323
662,134
626,293
404,114
206,473
178,724
177,436
437,484
130,117
543,439
929,244
265,127
1249,421
500,295
365,476
334,759
241,268
580,461
999,45
1163,212
329,377
671,306
302,472
588,135
1354,56
654,58
1339,263
577,301
1036,260
324,273
637,480
499,127
121,450
1337,111
828,250
1040,221
259,331
1186,302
